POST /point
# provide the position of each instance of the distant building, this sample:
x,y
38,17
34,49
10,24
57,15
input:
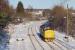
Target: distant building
x,y
38,11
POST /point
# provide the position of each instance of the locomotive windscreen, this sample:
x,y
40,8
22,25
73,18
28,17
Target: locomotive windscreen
x,y
48,24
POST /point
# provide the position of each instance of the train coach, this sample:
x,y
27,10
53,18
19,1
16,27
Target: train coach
x,y
47,31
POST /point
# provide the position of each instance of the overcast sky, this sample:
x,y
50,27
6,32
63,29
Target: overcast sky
x,y
41,4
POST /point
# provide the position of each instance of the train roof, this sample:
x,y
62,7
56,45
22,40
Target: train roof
x,y
47,24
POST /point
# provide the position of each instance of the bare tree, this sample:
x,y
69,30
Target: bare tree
x,y
59,13
4,7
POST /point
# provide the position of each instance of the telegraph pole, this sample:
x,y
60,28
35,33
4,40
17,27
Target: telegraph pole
x,y
67,20
67,24
67,32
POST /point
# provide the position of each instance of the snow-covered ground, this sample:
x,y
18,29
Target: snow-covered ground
x,y
25,36
71,40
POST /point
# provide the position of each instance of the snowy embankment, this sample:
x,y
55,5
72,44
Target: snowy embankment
x,y
70,42
4,39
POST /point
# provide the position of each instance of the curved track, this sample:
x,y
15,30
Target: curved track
x,y
33,39
60,42
52,47
63,44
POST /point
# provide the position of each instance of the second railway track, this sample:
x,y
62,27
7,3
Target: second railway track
x,y
68,47
33,39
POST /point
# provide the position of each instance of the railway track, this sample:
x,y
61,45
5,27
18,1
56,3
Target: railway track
x,y
52,47
33,39
54,44
64,44
58,45
55,47
37,40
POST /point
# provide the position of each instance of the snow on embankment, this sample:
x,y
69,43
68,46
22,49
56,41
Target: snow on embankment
x,y
61,36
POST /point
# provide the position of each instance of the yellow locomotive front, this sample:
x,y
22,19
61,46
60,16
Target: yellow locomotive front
x,y
47,32
49,35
